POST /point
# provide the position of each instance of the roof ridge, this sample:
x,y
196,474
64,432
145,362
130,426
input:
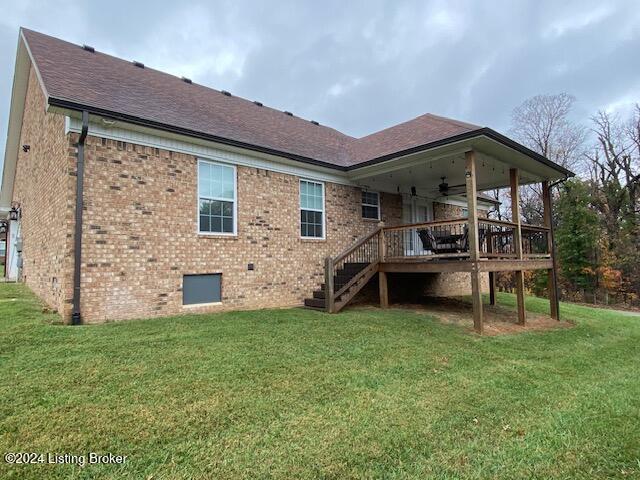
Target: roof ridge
x,y
460,123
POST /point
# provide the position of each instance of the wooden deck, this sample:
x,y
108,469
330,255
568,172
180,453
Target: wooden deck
x,y
432,247
476,245
418,265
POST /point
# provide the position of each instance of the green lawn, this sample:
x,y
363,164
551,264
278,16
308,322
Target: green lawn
x,y
301,394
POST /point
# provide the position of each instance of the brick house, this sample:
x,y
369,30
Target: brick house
x,y
132,193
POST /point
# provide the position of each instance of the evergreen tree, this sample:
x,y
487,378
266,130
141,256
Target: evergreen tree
x,y
577,236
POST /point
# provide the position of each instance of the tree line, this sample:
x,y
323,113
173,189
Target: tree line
x,y
596,214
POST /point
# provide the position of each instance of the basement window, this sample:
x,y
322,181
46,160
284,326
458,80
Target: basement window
x,y
370,205
311,209
201,289
217,209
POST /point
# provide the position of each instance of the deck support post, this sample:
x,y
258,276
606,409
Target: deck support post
x,y
492,288
552,275
514,175
328,285
384,291
474,247
382,276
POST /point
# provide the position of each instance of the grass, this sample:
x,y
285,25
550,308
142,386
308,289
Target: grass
x,y
301,394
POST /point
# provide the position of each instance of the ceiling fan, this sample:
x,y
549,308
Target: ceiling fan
x,y
445,189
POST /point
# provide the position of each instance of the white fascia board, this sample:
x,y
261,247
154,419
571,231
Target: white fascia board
x,y
14,129
155,138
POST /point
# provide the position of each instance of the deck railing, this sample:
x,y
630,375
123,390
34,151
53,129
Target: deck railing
x,y
496,238
450,239
536,241
428,239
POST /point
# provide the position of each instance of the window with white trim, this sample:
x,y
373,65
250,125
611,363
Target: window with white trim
x,y
311,209
216,198
371,205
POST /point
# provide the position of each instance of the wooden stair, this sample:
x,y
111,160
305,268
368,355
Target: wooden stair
x,y
342,277
348,273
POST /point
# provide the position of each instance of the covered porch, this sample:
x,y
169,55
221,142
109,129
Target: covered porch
x,y
470,243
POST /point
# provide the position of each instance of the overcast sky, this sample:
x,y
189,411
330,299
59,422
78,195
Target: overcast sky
x,y
362,66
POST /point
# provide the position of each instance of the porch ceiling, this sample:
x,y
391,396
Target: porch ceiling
x,y
425,170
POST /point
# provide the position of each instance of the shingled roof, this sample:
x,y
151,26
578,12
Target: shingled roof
x,y
74,75
78,78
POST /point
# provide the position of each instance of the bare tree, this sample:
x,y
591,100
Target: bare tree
x,y
614,161
614,167
542,123
631,163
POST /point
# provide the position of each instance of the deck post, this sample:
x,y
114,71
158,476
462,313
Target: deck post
x,y
384,291
554,305
514,175
474,247
328,285
382,276
492,288
382,247
492,275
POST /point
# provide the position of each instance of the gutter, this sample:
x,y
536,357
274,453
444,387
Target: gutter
x,y
76,317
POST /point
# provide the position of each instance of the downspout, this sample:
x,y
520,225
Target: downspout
x,y
76,317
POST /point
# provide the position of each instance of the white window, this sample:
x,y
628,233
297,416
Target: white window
x,y
311,209
216,198
371,205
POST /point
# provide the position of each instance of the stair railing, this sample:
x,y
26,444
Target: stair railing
x,y
367,250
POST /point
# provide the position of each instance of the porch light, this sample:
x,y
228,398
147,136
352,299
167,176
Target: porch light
x,y
14,213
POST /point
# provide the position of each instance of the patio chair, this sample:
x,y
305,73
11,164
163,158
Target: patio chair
x,y
428,240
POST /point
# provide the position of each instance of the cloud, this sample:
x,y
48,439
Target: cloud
x,y
577,20
365,65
